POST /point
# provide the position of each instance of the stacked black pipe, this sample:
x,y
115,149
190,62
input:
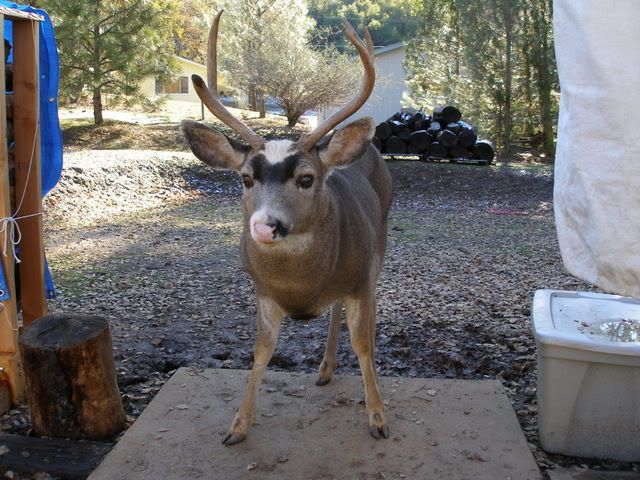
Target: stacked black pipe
x,y
441,135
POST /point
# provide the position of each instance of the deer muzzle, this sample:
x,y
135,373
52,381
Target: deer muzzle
x,y
265,229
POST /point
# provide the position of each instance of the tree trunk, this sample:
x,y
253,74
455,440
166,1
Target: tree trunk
x,y
508,78
292,119
542,27
97,107
252,98
261,106
70,377
528,95
458,43
97,73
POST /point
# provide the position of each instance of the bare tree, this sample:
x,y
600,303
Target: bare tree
x,y
253,33
300,79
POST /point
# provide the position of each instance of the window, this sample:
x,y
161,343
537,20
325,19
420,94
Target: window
x,y
180,85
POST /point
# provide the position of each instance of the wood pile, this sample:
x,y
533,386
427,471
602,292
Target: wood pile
x,y
442,135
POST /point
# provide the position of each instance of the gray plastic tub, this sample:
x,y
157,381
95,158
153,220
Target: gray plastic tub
x,y
588,373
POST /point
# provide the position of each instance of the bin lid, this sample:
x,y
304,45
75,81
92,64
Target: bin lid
x,y
591,321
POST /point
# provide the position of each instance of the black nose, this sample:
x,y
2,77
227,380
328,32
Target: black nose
x,y
279,228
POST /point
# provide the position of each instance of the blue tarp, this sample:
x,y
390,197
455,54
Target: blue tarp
x,y
51,139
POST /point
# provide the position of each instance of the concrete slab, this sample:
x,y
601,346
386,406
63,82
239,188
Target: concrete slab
x,y
440,429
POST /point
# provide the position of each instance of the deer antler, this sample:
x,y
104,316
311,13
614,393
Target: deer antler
x,y
210,97
308,140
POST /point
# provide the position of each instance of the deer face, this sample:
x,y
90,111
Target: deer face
x,y
283,185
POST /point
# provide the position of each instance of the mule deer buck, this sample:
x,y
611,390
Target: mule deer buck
x,y
315,227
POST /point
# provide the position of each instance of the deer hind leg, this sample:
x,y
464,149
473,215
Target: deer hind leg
x,y
330,360
269,319
361,320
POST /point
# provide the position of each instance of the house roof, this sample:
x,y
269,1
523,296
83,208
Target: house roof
x,y
190,62
389,48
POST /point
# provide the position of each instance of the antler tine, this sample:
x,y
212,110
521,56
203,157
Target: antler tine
x,y
212,54
366,53
210,97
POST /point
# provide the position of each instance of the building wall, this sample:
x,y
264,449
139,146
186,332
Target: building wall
x,y
186,69
385,100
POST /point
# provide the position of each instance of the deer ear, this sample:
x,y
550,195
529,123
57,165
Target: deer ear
x,y
214,148
348,143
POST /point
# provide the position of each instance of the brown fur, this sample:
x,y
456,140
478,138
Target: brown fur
x,y
333,257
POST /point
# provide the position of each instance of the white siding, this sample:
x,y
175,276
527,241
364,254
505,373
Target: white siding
x,y
185,69
386,98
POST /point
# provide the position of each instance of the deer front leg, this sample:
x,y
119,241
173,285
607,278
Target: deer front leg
x,y
269,319
361,320
330,360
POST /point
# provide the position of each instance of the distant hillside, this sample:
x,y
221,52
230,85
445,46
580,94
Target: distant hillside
x,y
389,22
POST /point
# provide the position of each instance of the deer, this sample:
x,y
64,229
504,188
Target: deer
x,y
314,227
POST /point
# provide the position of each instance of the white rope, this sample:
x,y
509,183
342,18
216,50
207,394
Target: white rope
x,y
12,233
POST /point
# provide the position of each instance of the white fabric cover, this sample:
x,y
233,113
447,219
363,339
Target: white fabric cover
x,y
597,172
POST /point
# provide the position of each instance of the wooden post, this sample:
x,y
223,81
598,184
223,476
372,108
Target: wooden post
x,y
28,176
9,356
71,379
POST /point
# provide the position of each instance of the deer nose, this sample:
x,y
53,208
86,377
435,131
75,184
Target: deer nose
x,y
268,230
279,228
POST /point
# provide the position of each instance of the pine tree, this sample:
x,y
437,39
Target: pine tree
x,y
494,60
108,46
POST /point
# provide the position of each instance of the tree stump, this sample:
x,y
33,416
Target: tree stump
x,y
70,377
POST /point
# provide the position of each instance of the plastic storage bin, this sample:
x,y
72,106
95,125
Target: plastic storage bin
x,y
588,374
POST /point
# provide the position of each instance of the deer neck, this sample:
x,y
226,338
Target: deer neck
x,y
287,264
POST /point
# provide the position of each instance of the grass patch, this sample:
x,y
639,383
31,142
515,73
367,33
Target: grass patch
x,y
83,134
114,135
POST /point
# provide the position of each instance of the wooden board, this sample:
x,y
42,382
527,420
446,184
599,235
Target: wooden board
x,y
13,14
59,458
426,158
28,176
9,357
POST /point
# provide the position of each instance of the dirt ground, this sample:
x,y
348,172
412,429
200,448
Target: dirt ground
x,y
150,241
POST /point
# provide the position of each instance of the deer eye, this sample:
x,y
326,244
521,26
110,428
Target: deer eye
x,y
247,181
305,181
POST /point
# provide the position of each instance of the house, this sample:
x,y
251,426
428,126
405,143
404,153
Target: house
x,y
181,88
391,86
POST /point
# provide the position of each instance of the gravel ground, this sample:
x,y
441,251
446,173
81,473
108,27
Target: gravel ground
x,y
150,241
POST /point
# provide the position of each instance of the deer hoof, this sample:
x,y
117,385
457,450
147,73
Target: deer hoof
x,y
323,381
232,438
324,375
378,427
237,432
379,432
